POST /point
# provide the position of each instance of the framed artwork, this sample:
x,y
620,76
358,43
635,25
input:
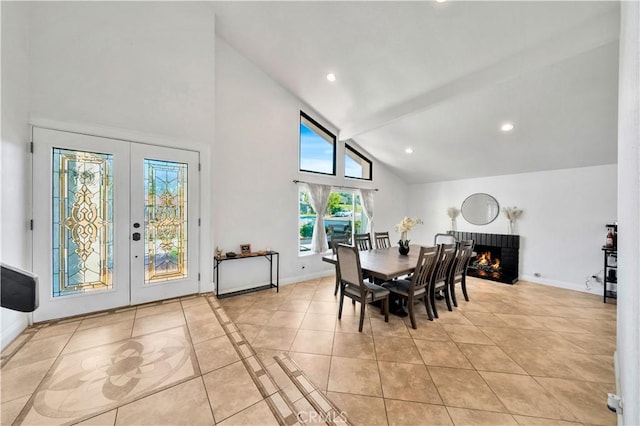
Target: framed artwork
x,y
245,248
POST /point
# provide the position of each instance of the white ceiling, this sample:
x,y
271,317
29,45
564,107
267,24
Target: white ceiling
x,y
442,77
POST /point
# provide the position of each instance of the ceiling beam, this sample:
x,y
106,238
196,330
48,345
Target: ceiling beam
x,y
594,33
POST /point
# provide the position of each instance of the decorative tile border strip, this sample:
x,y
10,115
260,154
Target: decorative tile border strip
x,y
278,402
17,344
327,410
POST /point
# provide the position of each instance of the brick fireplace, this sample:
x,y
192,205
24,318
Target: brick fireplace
x,y
496,256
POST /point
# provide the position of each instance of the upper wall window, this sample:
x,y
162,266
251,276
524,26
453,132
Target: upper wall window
x,y
356,165
317,147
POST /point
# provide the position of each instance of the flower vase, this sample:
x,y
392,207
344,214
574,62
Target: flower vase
x,y
403,245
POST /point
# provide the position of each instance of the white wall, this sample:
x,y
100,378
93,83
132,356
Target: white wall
x,y
15,189
255,162
140,71
562,228
143,66
628,324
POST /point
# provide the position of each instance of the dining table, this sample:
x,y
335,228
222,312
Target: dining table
x,y
384,263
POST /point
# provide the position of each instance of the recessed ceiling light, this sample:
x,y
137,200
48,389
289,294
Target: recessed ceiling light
x,y
506,127
331,77
441,1
409,150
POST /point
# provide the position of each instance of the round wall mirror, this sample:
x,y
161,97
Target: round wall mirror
x,y
480,209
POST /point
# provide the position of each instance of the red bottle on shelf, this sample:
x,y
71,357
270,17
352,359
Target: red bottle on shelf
x,y
609,240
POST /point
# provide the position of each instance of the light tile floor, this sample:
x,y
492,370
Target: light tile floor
x,y
523,354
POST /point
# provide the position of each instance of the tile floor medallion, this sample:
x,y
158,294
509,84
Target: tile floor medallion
x,y
112,375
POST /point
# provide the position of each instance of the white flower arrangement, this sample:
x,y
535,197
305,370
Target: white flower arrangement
x,y
512,213
405,226
453,213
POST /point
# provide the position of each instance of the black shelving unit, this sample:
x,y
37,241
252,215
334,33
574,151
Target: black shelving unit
x,y
610,279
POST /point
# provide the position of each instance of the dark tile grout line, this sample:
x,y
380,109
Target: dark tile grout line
x,y
507,411
375,354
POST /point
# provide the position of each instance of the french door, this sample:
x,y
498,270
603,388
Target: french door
x,y
115,223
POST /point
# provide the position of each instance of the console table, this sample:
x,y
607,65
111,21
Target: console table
x,y
269,255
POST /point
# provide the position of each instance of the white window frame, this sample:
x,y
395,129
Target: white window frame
x,y
319,129
350,149
355,194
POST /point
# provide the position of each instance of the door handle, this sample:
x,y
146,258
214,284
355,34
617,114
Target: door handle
x,y
136,236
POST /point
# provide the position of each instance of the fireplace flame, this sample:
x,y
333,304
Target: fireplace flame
x,y
484,259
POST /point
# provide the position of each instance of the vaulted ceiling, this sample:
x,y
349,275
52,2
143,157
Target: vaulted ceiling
x,y
441,78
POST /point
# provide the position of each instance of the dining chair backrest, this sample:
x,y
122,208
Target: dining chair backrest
x,y
382,240
349,269
463,255
441,238
425,268
335,240
363,241
445,260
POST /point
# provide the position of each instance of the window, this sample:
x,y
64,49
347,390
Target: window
x,y
317,147
356,165
343,216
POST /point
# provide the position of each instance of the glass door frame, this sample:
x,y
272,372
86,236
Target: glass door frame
x,y
142,292
45,138
75,304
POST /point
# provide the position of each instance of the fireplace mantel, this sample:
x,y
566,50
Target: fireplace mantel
x,y
509,246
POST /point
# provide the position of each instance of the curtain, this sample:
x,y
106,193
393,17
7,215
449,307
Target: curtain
x,y
319,196
366,198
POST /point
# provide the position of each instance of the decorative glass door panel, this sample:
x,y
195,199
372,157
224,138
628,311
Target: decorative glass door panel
x,y
82,222
115,223
166,223
80,217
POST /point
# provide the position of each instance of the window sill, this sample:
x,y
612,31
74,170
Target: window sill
x,y
310,253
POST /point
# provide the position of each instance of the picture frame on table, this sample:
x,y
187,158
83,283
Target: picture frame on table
x,y
245,249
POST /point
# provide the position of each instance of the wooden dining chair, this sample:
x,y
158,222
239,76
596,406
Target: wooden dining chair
x,y
417,287
334,241
382,240
439,280
353,286
442,238
458,273
363,241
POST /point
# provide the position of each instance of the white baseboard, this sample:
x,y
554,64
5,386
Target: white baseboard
x,y
307,277
597,289
13,330
284,281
